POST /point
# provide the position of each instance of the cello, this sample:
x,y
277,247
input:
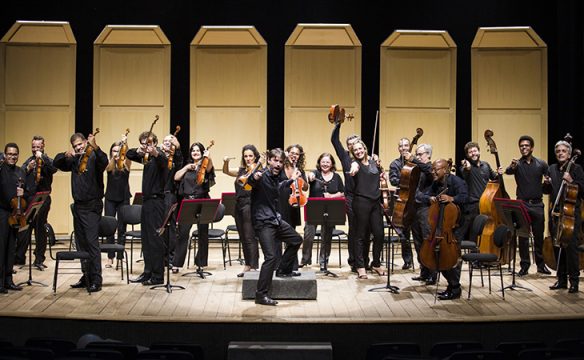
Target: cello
x,y
203,166
494,189
404,210
88,150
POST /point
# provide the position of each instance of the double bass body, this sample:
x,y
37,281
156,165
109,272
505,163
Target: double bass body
x,y
440,250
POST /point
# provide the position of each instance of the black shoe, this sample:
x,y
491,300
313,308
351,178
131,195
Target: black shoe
x,y
79,284
322,268
12,286
441,293
559,285
522,272
573,288
39,267
3,290
141,278
152,281
286,275
420,278
407,265
450,295
431,281
240,275
305,264
94,288
544,270
265,300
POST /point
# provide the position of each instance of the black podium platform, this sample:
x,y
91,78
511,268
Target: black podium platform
x,y
301,287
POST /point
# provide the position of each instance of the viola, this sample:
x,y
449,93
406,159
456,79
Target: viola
x,y
404,210
123,150
38,169
243,179
88,150
494,189
203,166
337,115
150,139
17,219
297,197
172,149
440,250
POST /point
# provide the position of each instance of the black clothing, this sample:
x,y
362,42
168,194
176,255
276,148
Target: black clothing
x,y
289,214
170,197
244,224
477,178
395,168
420,226
118,185
86,186
154,177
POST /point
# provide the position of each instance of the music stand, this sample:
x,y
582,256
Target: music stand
x,y
166,223
30,214
197,211
228,200
325,212
515,216
138,199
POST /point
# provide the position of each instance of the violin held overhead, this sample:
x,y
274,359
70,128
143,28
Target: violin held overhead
x,y
150,139
88,150
123,151
203,166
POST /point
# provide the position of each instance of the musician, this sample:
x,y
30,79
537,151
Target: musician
x,y
249,158
189,189
367,208
10,187
170,192
346,160
476,173
529,172
395,168
44,184
154,178
117,194
295,159
324,182
568,265
88,190
420,226
456,193
270,227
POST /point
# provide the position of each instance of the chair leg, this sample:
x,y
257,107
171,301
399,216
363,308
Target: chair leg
x,y
228,251
470,268
131,255
122,265
190,242
482,279
223,249
56,272
501,277
489,273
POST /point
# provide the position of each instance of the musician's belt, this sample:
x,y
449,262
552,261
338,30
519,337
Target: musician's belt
x,y
532,201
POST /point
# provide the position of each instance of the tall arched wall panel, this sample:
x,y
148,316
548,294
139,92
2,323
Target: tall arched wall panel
x,y
37,91
228,95
131,85
509,92
417,90
322,67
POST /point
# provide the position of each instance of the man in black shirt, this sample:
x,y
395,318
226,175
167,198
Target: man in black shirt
x,y
270,227
34,184
88,190
529,172
154,181
11,186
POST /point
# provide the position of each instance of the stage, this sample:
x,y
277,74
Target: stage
x,y
211,311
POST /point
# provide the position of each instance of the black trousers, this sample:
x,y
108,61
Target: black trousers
x,y
569,257
246,233
40,235
326,238
86,224
7,248
112,208
202,256
420,231
536,212
368,220
471,211
171,234
271,236
152,247
406,246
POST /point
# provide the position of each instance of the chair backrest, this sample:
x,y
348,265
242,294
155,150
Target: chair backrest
x,y
219,213
478,225
107,226
382,350
512,348
195,349
104,354
128,350
501,235
59,346
165,355
444,349
130,214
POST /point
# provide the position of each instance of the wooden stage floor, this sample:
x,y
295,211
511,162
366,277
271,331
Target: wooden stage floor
x,y
340,300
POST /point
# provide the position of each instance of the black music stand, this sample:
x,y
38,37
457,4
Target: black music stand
x,y
325,212
515,216
391,288
31,212
197,211
138,199
228,200
167,222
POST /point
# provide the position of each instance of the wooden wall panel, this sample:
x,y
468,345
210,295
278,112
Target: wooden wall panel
x,y
418,89
37,97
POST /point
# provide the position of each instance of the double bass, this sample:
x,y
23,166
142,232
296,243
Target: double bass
x,y
404,210
494,189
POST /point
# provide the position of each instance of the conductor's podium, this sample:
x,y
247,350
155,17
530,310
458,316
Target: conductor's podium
x,y
301,287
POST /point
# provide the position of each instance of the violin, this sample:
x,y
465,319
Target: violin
x,y
243,179
203,166
88,150
150,139
404,210
123,150
337,115
39,168
172,149
17,219
297,197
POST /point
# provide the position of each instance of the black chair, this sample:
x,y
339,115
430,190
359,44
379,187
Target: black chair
x,y
51,239
480,260
214,234
477,355
31,353
131,215
443,349
382,350
574,345
165,355
390,239
82,256
233,229
513,348
101,354
60,347
543,354
195,349
107,228
336,233
476,229
129,351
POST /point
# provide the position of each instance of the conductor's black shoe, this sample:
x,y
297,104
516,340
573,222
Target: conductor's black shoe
x,y
141,278
559,285
285,275
431,281
573,288
39,267
451,295
94,288
80,284
153,281
265,300
12,286
420,278
544,270
406,266
3,290
522,272
439,293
